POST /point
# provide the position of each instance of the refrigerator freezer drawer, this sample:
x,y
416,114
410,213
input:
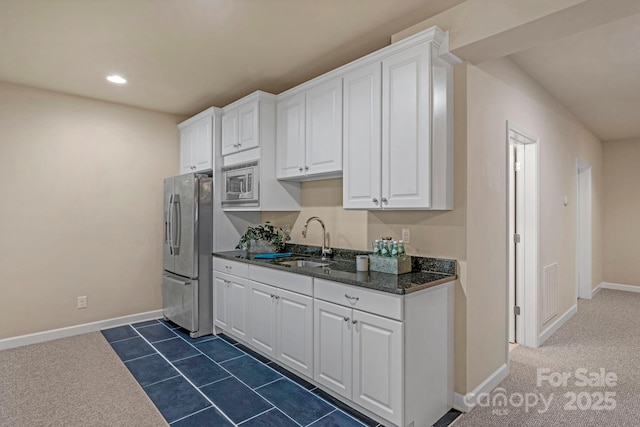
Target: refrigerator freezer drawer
x,y
180,301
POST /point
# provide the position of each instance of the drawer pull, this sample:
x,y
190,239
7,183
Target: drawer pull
x,y
354,322
349,297
346,319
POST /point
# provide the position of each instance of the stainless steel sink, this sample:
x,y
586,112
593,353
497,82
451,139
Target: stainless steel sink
x,y
304,263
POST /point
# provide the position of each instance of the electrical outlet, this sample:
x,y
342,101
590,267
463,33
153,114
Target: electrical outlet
x,y
406,236
82,302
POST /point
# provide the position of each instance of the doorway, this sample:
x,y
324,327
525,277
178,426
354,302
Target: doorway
x,y
583,235
522,237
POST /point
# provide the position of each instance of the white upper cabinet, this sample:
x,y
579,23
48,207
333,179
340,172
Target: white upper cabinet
x,y
197,141
290,145
406,148
240,124
362,137
398,139
323,148
309,141
229,132
249,135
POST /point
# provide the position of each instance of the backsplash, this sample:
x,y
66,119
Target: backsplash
x,y
435,265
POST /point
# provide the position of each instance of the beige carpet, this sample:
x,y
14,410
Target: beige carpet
x,y
605,333
76,381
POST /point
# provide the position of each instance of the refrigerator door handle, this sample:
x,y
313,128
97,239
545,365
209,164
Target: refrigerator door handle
x,y
177,281
177,232
168,228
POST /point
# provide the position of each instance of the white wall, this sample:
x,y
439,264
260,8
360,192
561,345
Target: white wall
x,y
499,91
622,212
81,210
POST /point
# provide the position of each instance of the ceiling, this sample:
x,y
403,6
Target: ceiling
x,y
595,74
182,56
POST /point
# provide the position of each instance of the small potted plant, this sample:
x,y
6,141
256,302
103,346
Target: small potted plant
x,y
263,239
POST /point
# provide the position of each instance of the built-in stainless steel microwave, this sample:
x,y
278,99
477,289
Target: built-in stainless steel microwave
x,y
241,185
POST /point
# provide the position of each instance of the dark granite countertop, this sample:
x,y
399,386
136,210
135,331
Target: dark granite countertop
x,y
343,269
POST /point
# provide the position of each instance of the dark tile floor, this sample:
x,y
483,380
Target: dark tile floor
x,y
216,381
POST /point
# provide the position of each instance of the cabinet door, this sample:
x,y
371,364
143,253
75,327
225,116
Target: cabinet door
x,y
262,317
332,347
248,136
202,149
229,128
290,148
378,365
187,137
295,331
237,303
220,314
362,138
406,152
323,152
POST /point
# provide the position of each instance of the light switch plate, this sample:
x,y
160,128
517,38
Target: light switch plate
x,y
406,236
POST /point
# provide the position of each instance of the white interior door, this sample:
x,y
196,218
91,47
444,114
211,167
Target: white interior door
x,y
512,245
523,236
583,244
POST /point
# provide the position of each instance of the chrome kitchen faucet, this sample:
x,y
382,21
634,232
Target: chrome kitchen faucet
x,y
325,251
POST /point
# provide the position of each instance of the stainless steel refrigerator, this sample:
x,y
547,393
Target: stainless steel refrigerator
x,y
186,277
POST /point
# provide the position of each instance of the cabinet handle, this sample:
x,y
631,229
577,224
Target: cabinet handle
x,y
346,319
349,297
306,168
300,168
226,281
354,322
228,267
384,200
375,200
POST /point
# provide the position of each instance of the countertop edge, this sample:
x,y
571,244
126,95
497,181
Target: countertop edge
x,y
351,282
431,284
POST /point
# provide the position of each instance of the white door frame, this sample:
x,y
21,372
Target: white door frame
x,y
583,234
526,259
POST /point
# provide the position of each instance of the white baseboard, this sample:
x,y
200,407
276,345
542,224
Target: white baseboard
x,y
466,403
619,287
550,330
595,290
69,331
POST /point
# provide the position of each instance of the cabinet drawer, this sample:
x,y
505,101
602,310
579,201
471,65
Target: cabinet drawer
x,y
379,303
282,279
231,267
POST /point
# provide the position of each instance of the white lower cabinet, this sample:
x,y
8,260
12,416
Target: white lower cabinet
x,y
230,303
388,355
262,320
360,356
333,349
294,323
378,365
281,325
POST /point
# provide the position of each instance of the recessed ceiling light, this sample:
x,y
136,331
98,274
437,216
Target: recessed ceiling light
x,y
117,79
